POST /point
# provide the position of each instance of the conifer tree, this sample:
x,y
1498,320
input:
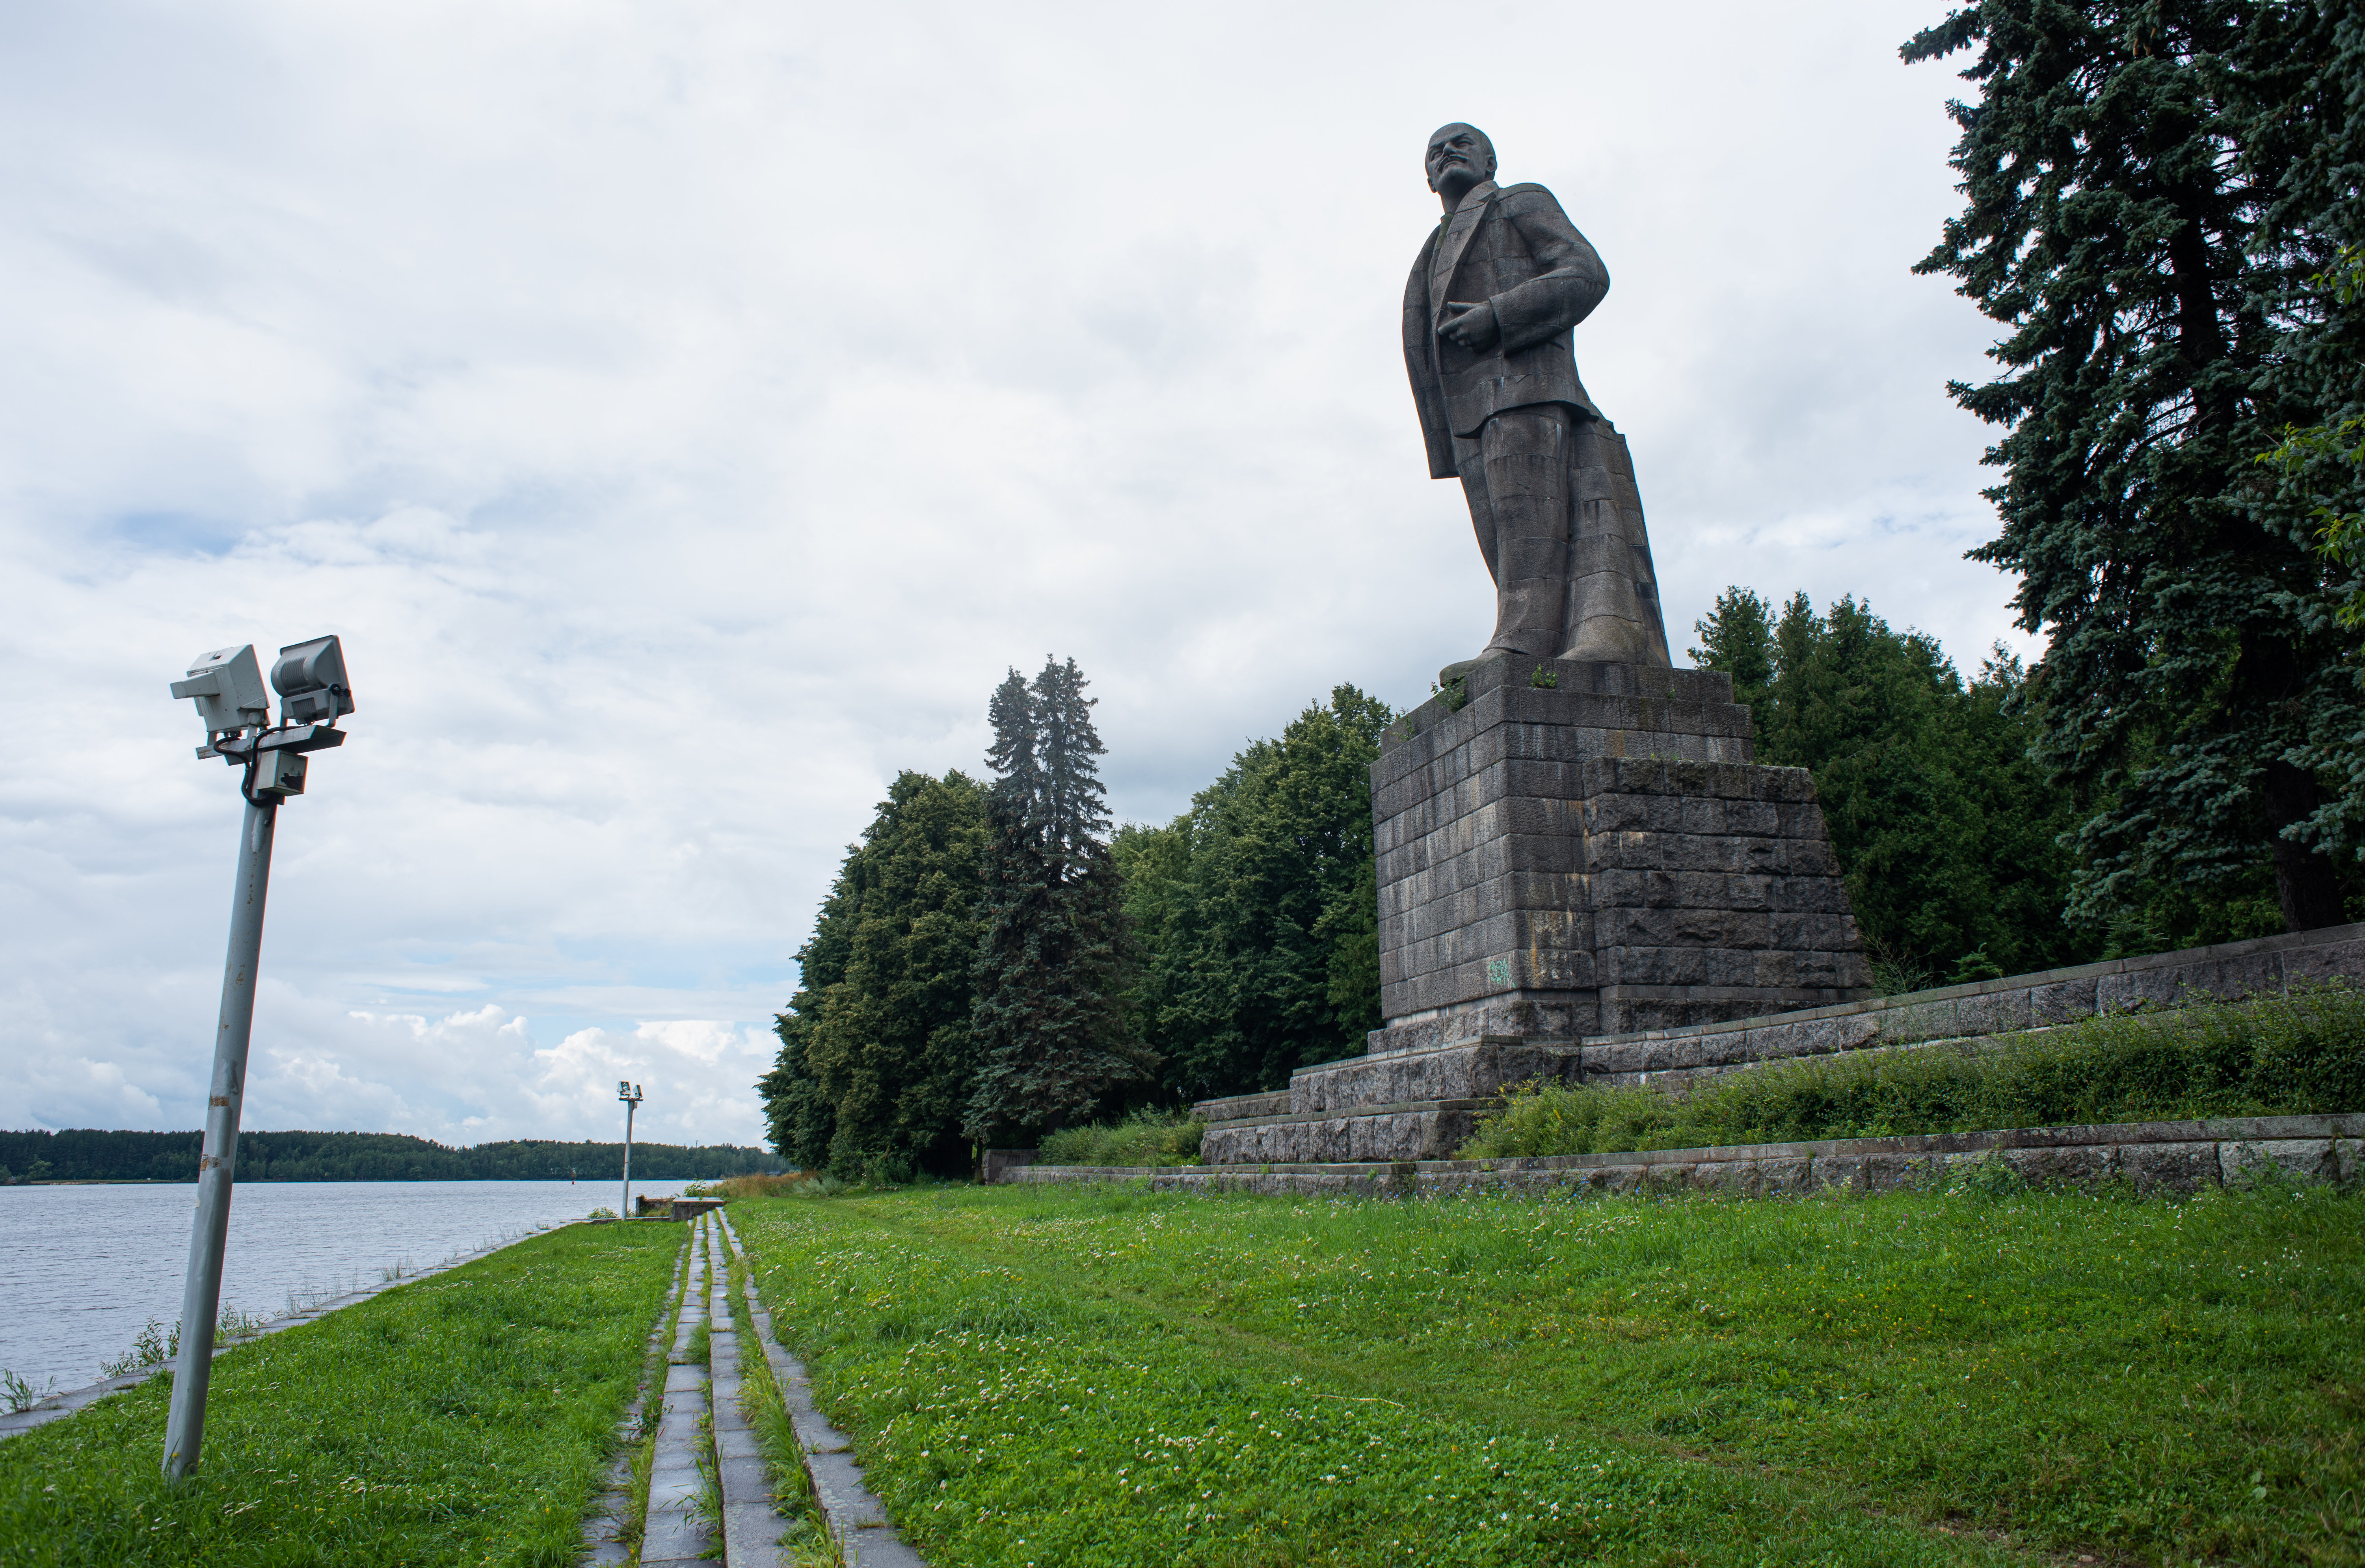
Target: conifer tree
x,y
2133,207
1052,1037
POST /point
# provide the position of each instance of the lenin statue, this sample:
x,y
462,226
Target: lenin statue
x,y
1487,327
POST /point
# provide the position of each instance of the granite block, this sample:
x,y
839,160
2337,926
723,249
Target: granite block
x,y
1668,1177
2292,1160
1897,1172
1993,1013
2316,962
2168,1167
1839,1172
1920,1021
2078,1165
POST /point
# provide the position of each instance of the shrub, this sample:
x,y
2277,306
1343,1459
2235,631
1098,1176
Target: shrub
x,y
753,1186
1146,1138
2292,1054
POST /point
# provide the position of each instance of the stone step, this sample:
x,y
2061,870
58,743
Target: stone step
x,y
1413,1129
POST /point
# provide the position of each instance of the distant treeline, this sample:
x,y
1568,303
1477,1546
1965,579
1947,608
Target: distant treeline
x,y
86,1154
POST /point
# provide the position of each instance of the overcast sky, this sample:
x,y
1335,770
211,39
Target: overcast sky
x,y
685,411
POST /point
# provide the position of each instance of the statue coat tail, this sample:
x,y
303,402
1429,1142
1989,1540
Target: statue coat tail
x,y
1613,594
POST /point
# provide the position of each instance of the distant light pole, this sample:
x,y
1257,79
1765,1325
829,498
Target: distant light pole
x,y
629,1093
228,686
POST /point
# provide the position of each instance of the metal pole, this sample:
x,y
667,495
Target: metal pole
x,y
626,1212
184,1426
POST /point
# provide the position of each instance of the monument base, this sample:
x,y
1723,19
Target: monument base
x,y
1416,1103
1566,849
1570,848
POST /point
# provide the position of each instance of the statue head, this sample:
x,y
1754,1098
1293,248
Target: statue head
x,y
1460,156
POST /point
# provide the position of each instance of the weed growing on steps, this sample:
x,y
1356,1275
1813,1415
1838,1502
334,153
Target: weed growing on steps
x,y
1063,1375
155,1346
2289,1055
706,1507
1145,1137
467,1417
644,1466
20,1393
640,1443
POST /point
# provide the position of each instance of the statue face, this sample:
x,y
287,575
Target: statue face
x,y
1459,153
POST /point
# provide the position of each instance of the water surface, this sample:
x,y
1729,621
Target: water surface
x,y
82,1268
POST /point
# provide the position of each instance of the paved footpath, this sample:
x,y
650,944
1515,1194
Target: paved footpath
x,y
855,1520
673,1533
603,1531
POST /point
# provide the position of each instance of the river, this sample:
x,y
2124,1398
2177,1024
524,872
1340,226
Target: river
x,y
84,1268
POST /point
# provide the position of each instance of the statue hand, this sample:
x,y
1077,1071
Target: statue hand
x,y
1475,328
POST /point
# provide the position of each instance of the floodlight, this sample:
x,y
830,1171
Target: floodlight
x,y
629,1093
228,685
271,762
311,677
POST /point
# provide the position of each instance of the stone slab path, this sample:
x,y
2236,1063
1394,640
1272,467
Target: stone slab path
x,y
672,1532
602,1532
854,1519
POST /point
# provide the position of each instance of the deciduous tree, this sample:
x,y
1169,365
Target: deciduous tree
x,y
876,1060
1259,910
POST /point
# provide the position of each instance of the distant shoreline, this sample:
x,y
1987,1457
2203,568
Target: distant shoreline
x,y
322,1180
76,1155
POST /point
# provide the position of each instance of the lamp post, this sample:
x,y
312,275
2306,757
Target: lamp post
x,y
629,1093
228,686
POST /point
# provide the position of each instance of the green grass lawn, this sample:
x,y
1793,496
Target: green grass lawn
x,y
465,1419
1102,1375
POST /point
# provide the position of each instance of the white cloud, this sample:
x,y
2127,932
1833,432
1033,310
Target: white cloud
x,y
685,414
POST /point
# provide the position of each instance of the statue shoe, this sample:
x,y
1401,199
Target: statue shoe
x,y
1454,672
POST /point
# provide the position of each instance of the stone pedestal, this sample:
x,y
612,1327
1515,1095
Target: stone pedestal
x,y
1597,856
1566,849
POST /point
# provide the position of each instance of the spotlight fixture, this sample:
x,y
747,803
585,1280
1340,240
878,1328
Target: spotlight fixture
x,y
310,676
227,685
629,1093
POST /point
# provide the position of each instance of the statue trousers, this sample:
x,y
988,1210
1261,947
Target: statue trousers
x,y
1568,581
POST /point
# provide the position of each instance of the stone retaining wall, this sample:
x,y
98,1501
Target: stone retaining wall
x,y
1421,1098
2268,965
2150,1157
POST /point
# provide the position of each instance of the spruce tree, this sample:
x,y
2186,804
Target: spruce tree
x,y
2314,232
2129,216
1049,1026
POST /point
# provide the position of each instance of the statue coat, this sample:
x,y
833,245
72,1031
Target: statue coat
x,y
1513,247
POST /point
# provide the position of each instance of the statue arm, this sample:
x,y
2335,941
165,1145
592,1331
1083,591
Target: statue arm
x,y
1573,281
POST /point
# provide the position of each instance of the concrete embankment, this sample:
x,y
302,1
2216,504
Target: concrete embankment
x,y
56,1407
